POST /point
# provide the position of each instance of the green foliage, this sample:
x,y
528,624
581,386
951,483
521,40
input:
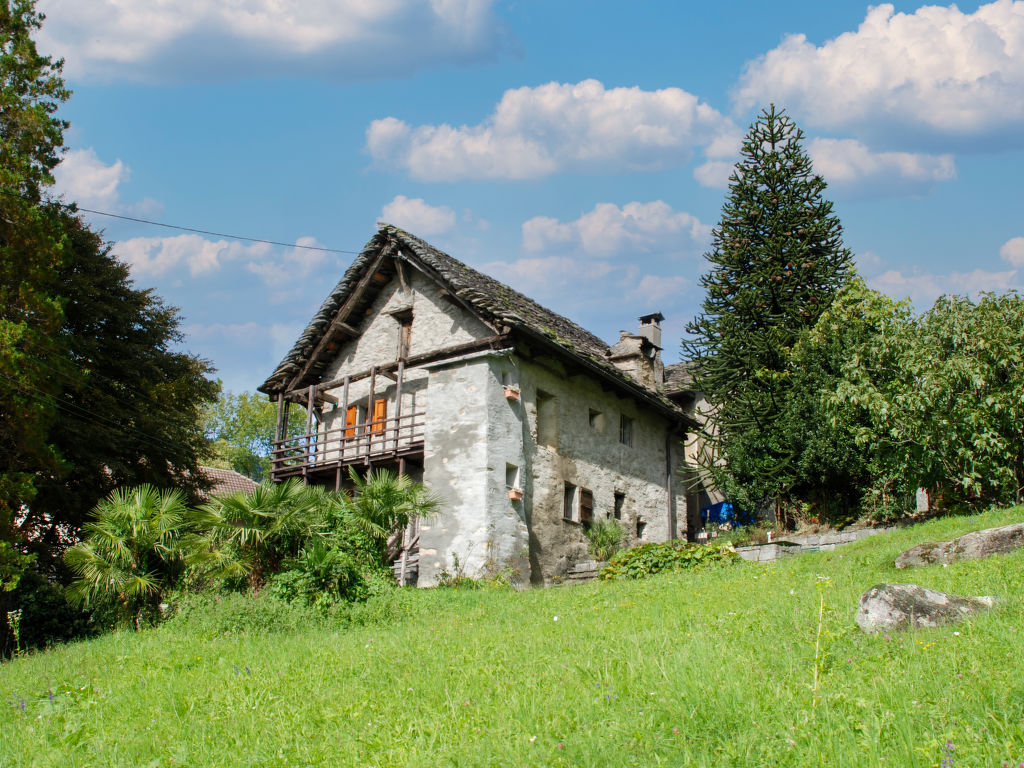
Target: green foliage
x,y
937,402
384,502
647,664
321,575
241,428
657,557
131,552
604,537
249,536
777,260
31,90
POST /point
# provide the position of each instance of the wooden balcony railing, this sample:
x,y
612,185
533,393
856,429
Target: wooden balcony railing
x,y
363,443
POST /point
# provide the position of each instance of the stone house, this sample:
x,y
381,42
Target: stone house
x,y
525,425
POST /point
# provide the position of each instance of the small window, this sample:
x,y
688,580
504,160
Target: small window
x,y
626,430
511,476
404,335
620,503
641,527
506,378
547,419
569,502
586,507
596,420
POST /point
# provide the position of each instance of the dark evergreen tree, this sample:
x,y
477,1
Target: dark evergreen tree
x,y
777,261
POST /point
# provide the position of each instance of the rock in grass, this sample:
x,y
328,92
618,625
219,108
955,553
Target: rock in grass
x,y
992,541
908,606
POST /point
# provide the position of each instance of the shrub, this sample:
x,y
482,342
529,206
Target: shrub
x,y
656,557
321,575
605,538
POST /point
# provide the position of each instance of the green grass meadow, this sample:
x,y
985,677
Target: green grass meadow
x,y
711,668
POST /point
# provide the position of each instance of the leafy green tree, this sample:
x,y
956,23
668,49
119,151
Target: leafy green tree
x,y
130,409
777,260
938,402
132,550
241,428
31,137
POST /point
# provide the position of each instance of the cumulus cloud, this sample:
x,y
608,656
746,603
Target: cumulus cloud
x,y
418,216
534,132
1012,252
156,256
209,39
609,230
83,178
655,289
846,163
923,288
937,69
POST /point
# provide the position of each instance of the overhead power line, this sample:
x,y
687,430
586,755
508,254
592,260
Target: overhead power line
x,y
75,207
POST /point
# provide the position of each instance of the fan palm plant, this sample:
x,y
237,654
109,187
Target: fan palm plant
x,y
384,502
251,534
132,549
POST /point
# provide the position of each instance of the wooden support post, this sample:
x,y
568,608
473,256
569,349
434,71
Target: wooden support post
x,y
344,414
369,414
398,403
672,523
280,416
337,478
310,401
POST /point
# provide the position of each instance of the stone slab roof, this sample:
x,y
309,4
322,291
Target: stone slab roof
x,y
504,308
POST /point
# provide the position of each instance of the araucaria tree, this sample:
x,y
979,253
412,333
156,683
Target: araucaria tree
x,y
777,261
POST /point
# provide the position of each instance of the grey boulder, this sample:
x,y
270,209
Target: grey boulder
x,y
992,541
908,606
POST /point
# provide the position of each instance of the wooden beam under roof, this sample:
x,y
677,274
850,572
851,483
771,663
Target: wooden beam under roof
x,y
337,322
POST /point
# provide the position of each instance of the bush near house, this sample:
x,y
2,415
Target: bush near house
x,y
657,557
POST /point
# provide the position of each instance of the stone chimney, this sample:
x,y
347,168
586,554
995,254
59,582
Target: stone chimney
x,y
639,354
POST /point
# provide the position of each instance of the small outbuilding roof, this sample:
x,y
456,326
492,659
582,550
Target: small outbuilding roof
x,y
225,482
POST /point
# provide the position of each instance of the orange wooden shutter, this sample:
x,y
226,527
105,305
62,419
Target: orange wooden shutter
x,y
380,413
351,416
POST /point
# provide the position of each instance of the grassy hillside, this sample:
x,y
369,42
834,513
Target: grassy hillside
x,y
702,669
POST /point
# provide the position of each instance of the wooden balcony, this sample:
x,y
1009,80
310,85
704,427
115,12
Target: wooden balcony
x,y
375,442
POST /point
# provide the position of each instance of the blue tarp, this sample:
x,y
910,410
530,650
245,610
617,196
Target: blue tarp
x,y
724,512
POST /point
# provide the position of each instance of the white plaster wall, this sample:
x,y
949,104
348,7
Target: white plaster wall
x,y
436,324
471,433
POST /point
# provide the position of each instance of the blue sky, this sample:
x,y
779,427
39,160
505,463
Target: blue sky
x,y
576,150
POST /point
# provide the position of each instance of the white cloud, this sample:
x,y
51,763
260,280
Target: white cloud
x,y
210,39
535,132
418,216
848,163
654,289
923,287
292,265
1012,252
81,177
949,72
156,256
609,230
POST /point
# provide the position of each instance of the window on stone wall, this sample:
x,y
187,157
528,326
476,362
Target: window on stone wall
x,y
569,502
547,419
586,507
625,430
596,420
380,415
620,503
641,527
511,476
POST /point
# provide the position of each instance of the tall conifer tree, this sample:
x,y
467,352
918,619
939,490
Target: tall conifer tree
x,y
777,260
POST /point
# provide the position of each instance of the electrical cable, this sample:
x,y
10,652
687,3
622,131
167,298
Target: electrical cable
x,y
75,207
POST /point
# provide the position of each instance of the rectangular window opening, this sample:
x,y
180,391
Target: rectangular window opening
x,y
626,430
620,503
569,502
596,420
641,527
511,476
